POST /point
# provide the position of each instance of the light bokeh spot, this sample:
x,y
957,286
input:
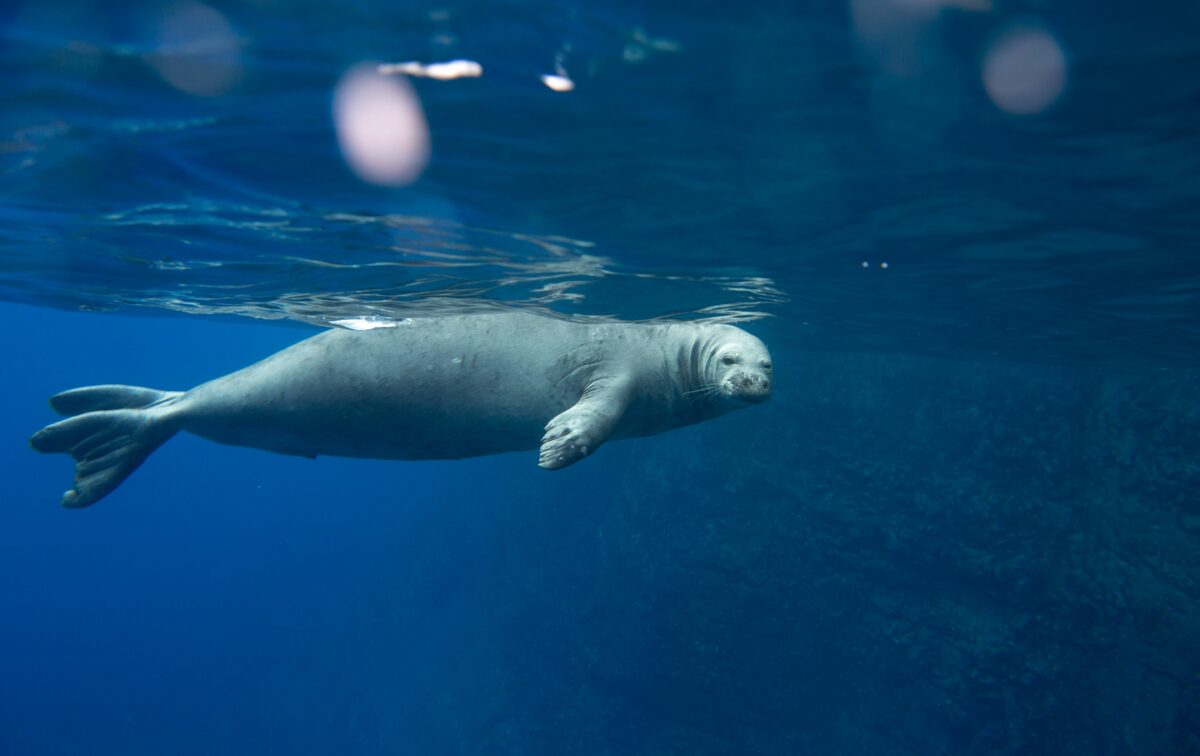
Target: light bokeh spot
x,y
1024,70
381,127
196,50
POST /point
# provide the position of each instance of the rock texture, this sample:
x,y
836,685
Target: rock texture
x,y
897,556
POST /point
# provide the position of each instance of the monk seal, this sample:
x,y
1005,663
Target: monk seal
x,y
429,388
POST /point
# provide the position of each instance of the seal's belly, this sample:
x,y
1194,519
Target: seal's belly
x,y
378,433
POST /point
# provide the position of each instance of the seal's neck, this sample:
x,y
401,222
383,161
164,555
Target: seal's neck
x,y
679,388
694,355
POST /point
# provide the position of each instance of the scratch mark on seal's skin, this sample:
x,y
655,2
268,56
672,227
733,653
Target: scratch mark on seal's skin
x,y
588,363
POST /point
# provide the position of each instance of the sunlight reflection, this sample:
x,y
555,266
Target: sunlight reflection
x,y
363,271
381,127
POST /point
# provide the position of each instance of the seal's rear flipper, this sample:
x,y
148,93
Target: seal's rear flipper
x,y
91,398
107,445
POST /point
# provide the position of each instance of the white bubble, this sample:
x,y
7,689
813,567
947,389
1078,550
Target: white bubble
x,y
381,127
866,264
368,323
1024,70
451,69
558,83
883,265
196,50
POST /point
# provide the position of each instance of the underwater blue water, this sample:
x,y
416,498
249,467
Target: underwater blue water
x,y
973,490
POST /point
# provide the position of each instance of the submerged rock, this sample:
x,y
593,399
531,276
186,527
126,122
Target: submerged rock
x,y
907,556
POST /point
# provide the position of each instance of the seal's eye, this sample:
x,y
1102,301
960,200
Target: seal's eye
x,y
766,364
728,360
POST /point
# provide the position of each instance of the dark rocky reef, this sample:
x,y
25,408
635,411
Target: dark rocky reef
x,y
896,556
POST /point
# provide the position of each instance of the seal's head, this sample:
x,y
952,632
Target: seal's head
x,y
739,366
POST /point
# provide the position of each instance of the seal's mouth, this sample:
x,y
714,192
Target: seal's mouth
x,y
754,388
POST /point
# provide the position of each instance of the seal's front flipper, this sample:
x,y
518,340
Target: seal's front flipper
x,y
107,445
579,431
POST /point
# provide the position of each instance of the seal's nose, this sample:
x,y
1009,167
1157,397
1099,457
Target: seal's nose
x,y
760,389
753,387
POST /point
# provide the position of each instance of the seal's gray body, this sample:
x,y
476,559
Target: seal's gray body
x,y
432,388
440,388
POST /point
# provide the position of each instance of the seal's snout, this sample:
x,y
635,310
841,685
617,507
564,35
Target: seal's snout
x,y
750,387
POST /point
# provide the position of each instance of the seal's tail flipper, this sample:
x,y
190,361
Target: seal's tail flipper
x,y
91,398
107,444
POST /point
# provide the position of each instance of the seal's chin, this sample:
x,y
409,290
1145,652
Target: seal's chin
x,y
752,388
